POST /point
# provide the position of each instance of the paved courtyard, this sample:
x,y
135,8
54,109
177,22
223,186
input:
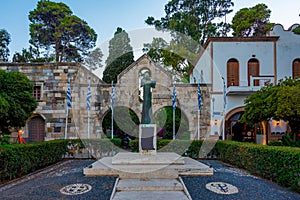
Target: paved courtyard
x,y
65,180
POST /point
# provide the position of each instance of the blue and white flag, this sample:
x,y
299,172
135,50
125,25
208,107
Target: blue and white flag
x,y
174,98
199,97
69,98
88,97
112,99
224,92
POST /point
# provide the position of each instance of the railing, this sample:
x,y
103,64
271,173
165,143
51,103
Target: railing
x,y
261,80
256,83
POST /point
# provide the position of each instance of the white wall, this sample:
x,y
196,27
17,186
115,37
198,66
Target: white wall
x,y
288,49
243,51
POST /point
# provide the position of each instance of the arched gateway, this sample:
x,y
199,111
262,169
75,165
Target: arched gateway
x,y
128,94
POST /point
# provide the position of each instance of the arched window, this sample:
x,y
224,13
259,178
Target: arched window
x,y
253,70
233,78
296,68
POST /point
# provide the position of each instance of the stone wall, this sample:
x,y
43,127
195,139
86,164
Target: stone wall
x,y
53,79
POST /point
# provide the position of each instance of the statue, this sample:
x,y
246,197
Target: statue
x,y
147,84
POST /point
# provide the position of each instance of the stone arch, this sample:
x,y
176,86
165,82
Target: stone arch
x,y
163,119
36,128
233,111
240,131
126,121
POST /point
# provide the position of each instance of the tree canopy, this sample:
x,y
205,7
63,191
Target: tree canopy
x,y
4,42
176,56
93,59
254,21
60,34
275,102
16,100
198,19
30,55
297,30
120,56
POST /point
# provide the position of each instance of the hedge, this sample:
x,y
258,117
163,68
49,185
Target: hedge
x,y
278,164
99,148
182,147
275,163
19,159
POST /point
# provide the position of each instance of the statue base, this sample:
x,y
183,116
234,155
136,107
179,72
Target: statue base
x,y
147,139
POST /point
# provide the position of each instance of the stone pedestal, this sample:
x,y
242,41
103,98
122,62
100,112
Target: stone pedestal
x,y
137,166
147,139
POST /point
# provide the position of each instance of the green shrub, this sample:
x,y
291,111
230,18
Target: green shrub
x,y
4,139
19,159
102,147
183,147
290,140
275,143
279,164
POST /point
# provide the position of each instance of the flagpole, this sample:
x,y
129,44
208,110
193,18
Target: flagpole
x,y
66,126
199,106
112,110
89,124
224,109
174,124
88,108
198,136
174,109
68,103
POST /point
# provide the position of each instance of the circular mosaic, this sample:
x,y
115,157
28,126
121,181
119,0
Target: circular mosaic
x,y
222,188
76,189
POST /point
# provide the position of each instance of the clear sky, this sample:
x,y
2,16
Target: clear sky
x,y
104,16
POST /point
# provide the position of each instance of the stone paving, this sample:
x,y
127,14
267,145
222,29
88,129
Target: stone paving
x,y
66,181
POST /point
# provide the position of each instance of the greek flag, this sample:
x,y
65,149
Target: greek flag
x,y
174,98
224,92
88,97
199,97
112,96
69,100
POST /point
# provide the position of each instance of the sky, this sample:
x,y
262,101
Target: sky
x,y
104,16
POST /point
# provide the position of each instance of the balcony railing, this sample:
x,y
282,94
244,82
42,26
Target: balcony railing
x,y
261,80
256,83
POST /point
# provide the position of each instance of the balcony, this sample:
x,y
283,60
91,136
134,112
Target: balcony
x,y
256,83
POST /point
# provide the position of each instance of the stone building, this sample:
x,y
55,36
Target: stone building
x,y
50,85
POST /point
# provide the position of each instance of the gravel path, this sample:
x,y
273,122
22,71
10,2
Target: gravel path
x,y
249,187
47,184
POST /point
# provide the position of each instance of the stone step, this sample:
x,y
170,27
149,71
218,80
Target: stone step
x,y
150,195
104,167
160,158
149,185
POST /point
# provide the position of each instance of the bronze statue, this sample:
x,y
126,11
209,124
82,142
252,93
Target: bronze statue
x,y
147,84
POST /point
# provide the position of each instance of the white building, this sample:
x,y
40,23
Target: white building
x,y
245,65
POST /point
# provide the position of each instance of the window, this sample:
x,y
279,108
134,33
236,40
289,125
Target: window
x,y
233,73
253,70
37,92
296,68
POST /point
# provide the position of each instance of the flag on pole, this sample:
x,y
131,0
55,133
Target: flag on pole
x,y
69,99
224,92
174,98
199,97
88,97
112,96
